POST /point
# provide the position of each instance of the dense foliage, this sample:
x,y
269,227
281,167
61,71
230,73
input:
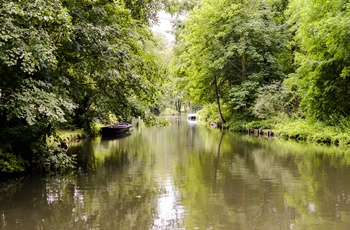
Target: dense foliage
x,y
79,62
227,50
322,36
72,61
267,59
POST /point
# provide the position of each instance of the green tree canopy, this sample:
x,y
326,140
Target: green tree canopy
x,y
235,45
75,61
33,95
111,63
322,37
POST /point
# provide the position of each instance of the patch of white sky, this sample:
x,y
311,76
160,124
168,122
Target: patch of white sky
x,y
165,26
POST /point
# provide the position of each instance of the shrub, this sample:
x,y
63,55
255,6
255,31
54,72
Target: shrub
x,y
210,113
10,163
58,160
274,99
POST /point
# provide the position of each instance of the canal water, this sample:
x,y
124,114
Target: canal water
x,y
185,176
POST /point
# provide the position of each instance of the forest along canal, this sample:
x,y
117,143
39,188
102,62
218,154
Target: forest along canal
x,y
187,177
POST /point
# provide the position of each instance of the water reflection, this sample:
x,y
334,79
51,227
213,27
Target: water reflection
x,y
170,212
186,177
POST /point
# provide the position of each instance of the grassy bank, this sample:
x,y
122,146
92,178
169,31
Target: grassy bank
x,y
78,134
71,135
302,129
314,131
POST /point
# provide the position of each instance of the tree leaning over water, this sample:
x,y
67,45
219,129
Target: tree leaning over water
x,y
71,61
34,96
111,62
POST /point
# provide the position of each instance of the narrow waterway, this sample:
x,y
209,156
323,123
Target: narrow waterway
x,y
186,176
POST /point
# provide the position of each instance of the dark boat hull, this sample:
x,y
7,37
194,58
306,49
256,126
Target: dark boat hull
x,y
114,130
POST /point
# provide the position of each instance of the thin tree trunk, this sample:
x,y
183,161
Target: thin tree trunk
x,y
190,107
243,66
218,101
243,62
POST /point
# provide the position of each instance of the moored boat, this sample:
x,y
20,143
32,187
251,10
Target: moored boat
x,y
192,119
116,129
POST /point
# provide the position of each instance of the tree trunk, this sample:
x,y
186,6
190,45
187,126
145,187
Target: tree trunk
x,y
190,107
178,105
243,62
243,66
218,101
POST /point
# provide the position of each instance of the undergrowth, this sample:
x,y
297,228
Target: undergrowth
x,y
334,132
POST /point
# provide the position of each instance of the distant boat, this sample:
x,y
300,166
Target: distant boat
x,y
192,119
116,129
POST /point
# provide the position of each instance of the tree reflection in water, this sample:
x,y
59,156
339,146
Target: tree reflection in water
x,y
186,177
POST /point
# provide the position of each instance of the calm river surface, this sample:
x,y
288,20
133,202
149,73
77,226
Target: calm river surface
x,y
186,177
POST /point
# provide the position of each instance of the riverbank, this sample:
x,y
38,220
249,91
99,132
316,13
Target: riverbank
x,y
78,134
335,133
315,131
310,131
71,135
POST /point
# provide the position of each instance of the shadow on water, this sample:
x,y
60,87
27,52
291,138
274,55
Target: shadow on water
x,y
115,137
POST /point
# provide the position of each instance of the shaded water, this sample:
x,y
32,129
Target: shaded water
x,y
186,177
